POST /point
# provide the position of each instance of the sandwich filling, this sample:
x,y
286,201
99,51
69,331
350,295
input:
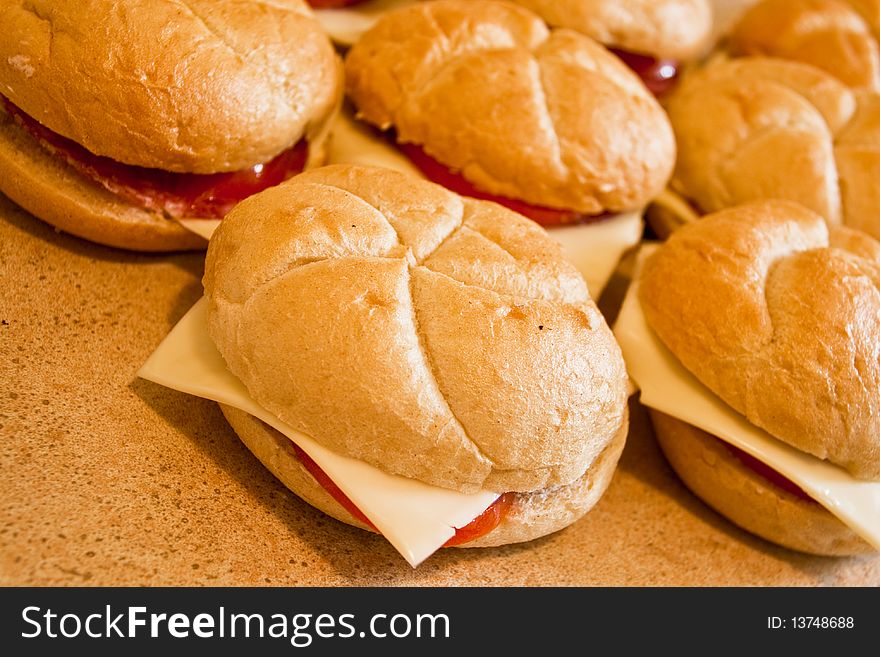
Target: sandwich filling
x,y
659,75
476,528
439,173
767,473
174,195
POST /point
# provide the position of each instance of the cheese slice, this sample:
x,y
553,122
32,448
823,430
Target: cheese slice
x,y
668,387
594,249
203,227
346,24
416,518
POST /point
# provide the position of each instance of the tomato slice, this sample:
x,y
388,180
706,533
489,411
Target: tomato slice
x,y
483,523
443,175
327,483
177,195
659,75
479,526
772,476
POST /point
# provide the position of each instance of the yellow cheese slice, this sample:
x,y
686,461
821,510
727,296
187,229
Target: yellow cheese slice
x,y
417,519
668,387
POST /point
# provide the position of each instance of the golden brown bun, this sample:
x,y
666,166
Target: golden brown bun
x,y
551,118
829,34
857,152
435,337
780,325
746,498
754,128
530,516
201,86
51,190
666,29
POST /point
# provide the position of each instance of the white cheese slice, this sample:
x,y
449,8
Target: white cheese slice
x,y
355,142
668,387
203,227
346,24
417,519
594,249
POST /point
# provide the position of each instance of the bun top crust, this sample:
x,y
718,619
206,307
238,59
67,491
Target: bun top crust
x,y
666,29
780,320
754,128
551,118
830,34
440,338
198,86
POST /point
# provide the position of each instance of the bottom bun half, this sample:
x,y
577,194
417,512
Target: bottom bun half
x,y
746,498
530,516
50,190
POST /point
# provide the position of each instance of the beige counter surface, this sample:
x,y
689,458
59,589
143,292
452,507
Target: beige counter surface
x,y
110,480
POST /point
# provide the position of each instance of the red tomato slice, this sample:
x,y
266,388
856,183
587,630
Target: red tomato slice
x,y
772,476
659,75
178,195
442,175
483,523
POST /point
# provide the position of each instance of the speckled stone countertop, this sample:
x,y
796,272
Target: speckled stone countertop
x,y
111,480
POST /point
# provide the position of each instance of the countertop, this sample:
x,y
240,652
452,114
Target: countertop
x,y
111,480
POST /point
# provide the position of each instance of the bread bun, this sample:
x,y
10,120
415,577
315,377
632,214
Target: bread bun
x,y
435,337
829,34
548,117
755,128
771,313
48,188
750,501
665,29
530,516
200,87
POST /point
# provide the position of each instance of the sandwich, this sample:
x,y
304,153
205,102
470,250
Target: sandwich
x,y
838,36
439,341
119,123
655,38
484,99
775,320
759,128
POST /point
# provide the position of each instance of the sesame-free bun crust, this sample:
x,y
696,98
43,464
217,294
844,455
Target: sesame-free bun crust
x,y
530,516
436,337
668,29
780,320
756,127
51,190
199,86
548,117
830,34
748,500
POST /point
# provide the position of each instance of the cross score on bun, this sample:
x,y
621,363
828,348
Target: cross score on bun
x,y
118,118
435,337
487,101
839,36
780,318
653,37
759,127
